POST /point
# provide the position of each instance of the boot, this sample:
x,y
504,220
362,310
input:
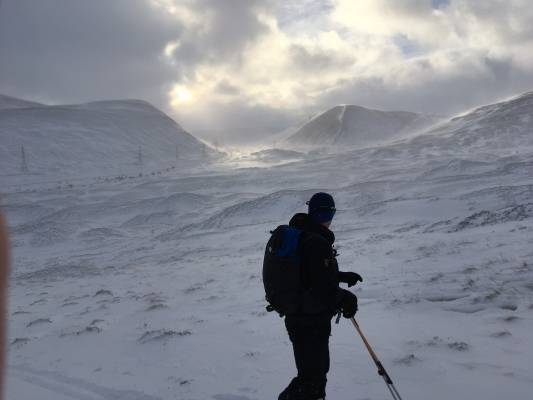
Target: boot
x,y
298,390
290,391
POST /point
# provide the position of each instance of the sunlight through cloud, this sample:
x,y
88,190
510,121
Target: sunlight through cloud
x,y
180,95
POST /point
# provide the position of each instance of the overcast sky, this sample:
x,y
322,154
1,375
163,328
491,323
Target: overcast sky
x,y
237,70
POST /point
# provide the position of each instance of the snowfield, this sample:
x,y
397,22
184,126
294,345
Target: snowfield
x,y
149,288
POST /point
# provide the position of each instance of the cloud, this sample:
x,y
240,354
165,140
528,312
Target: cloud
x,y
317,60
225,88
230,27
243,68
62,51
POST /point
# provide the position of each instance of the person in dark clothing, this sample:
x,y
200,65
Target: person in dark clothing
x,y
309,328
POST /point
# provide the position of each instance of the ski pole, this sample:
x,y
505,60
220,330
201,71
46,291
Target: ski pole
x,y
381,370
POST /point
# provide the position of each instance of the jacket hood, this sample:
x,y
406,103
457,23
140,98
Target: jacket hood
x,y
304,222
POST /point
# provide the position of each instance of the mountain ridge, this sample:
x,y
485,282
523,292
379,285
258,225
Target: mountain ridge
x,y
95,138
357,126
9,102
503,125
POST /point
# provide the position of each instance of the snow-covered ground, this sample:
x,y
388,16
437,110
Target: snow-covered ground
x,y
150,287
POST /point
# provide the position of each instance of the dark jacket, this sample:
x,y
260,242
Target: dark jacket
x,y
319,268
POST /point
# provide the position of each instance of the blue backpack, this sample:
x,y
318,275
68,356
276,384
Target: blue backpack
x,y
282,271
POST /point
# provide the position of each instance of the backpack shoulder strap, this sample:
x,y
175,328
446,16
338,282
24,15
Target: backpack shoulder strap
x,y
307,237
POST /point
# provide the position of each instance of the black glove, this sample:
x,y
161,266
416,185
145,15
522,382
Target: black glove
x,y
351,278
348,304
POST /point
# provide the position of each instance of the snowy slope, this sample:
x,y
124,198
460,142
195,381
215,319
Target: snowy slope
x,y
504,125
99,138
7,102
150,289
350,125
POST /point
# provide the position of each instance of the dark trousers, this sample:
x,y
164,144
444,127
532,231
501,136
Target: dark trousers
x,y
310,341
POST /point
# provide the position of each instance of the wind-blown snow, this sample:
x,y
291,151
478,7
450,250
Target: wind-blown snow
x,y
150,288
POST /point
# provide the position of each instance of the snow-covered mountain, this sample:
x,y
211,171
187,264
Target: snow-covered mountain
x,y
355,126
494,128
98,138
504,125
8,102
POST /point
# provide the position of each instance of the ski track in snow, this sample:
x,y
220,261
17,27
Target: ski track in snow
x,y
151,288
58,386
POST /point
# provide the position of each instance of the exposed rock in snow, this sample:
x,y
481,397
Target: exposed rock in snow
x,y
485,217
